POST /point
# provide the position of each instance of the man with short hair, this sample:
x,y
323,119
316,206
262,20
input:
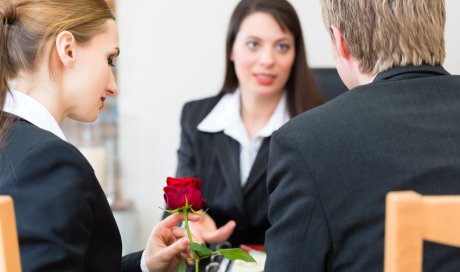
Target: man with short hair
x,y
396,129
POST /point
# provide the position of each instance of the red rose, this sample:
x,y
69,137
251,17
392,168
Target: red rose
x,y
180,189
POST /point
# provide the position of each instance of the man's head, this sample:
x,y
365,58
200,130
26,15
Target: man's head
x,y
381,34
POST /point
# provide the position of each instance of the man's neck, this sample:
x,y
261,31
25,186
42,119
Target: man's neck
x,y
366,78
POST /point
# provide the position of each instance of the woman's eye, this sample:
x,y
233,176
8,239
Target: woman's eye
x,y
251,44
283,47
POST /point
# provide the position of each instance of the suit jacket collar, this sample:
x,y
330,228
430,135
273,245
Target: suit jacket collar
x,y
27,108
260,166
407,72
226,117
228,152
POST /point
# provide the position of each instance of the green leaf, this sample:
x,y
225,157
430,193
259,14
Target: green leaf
x,y
174,211
198,212
182,266
236,254
201,249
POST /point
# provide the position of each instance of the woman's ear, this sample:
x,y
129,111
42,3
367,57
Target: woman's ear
x,y
66,48
340,43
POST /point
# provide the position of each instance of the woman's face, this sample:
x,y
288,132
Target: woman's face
x,y
263,55
91,79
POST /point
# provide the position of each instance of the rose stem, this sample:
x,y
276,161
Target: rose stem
x,y
189,234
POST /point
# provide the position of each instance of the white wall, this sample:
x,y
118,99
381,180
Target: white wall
x,y
173,51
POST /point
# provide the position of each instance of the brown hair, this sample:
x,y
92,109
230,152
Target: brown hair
x,y
28,29
302,93
382,34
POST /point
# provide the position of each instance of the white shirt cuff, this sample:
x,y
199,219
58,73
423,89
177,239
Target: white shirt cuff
x,y
144,267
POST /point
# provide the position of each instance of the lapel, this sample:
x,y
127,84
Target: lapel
x,y
228,152
259,167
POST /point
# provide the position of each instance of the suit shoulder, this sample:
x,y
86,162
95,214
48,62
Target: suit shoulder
x,y
317,121
204,103
25,141
29,135
195,111
28,132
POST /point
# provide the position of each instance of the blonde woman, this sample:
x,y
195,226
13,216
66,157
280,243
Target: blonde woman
x,y
60,54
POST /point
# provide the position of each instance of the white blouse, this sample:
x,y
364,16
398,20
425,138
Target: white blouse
x,y
226,117
27,108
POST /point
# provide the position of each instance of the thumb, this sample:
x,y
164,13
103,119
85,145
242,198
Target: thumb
x,y
222,233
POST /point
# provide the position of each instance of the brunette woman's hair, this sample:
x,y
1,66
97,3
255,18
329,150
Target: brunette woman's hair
x,y
302,93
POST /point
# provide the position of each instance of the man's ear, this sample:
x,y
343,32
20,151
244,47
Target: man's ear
x,y
340,43
66,48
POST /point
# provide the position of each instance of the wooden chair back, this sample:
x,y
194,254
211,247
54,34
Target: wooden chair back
x,y
412,218
9,247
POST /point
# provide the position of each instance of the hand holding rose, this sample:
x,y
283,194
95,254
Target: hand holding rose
x,y
178,191
167,243
184,196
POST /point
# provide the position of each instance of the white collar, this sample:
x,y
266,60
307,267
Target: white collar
x,y
226,117
27,108
373,78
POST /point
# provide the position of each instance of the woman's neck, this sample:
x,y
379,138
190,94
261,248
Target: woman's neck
x,y
40,87
257,110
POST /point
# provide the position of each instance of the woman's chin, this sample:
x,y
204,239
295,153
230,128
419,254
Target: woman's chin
x,y
88,118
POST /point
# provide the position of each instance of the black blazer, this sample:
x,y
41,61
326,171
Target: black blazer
x,y
331,167
215,158
64,221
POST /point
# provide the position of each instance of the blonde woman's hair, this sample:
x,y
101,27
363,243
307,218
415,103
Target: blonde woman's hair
x,y
29,27
382,34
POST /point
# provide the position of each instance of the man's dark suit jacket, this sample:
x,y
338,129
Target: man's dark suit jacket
x,y
331,167
215,158
64,221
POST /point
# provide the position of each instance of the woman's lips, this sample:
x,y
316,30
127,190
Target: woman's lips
x,y
265,79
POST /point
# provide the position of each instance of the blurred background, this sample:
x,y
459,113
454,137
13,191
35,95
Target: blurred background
x,y
172,52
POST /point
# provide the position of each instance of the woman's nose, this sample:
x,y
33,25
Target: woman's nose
x,y
112,88
266,57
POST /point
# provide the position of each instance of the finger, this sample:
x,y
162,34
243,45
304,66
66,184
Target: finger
x,y
171,220
175,249
194,217
186,254
222,233
176,218
179,232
